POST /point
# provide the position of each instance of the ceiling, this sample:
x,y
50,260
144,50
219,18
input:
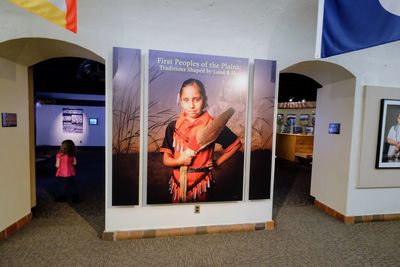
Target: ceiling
x,y
297,87
69,75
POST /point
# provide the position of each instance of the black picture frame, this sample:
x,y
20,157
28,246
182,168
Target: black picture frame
x,y
387,154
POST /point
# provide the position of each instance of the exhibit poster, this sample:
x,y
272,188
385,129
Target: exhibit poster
x,y
72,120
126,126
196,127
262,121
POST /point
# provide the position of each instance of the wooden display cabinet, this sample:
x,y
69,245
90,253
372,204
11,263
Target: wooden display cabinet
x,y
294,147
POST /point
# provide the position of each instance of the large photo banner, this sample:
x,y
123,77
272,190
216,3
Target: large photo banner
x,y
262,121
196,127
126,126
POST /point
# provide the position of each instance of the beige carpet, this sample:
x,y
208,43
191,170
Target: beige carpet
x,y
66,234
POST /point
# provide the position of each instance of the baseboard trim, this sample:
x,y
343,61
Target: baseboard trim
x,y
10,230
333,213
199,230
356,219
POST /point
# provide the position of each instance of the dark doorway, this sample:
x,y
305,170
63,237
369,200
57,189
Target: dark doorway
x,y
297,96
65,84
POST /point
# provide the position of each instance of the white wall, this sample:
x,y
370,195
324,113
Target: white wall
x,y
15,202
374,200
252,29
280,30
49,126
375,66
331,161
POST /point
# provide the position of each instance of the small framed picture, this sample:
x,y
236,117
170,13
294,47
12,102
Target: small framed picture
x,y
312,119
334,128
304,119
291,119
309,130
9,119
93,121
280,119
72,120
388,148
297,130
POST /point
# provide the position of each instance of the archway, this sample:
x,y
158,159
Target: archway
x,y
323,72
331,151
29,51
19,55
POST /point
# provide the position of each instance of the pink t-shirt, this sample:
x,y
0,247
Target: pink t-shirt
x,y
67,167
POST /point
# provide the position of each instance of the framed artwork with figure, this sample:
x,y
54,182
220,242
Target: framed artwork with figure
x,y
388,148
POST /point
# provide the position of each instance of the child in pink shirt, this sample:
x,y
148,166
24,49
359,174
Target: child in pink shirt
x,y
65,164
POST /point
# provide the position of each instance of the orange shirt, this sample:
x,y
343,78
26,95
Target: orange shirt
x,y
179,136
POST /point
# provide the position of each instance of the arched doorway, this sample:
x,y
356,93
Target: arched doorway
x,y
330,151
294,140
21,54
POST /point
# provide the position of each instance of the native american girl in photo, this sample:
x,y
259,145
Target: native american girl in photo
x,y
183,147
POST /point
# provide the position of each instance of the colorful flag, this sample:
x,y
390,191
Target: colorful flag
x,y
349,25
60,12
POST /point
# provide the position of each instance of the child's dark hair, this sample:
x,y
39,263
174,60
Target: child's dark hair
x,y
68,147
191,81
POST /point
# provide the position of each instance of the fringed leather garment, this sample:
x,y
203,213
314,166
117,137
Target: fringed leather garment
x,y
199,177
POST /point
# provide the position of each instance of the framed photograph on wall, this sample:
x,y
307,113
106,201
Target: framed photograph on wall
x,y
291,119
280,119
388,149
72,120
93,121
309,130
312,119
304,119
9,119
334,128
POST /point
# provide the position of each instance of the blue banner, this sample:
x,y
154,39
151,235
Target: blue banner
x,y
358,24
